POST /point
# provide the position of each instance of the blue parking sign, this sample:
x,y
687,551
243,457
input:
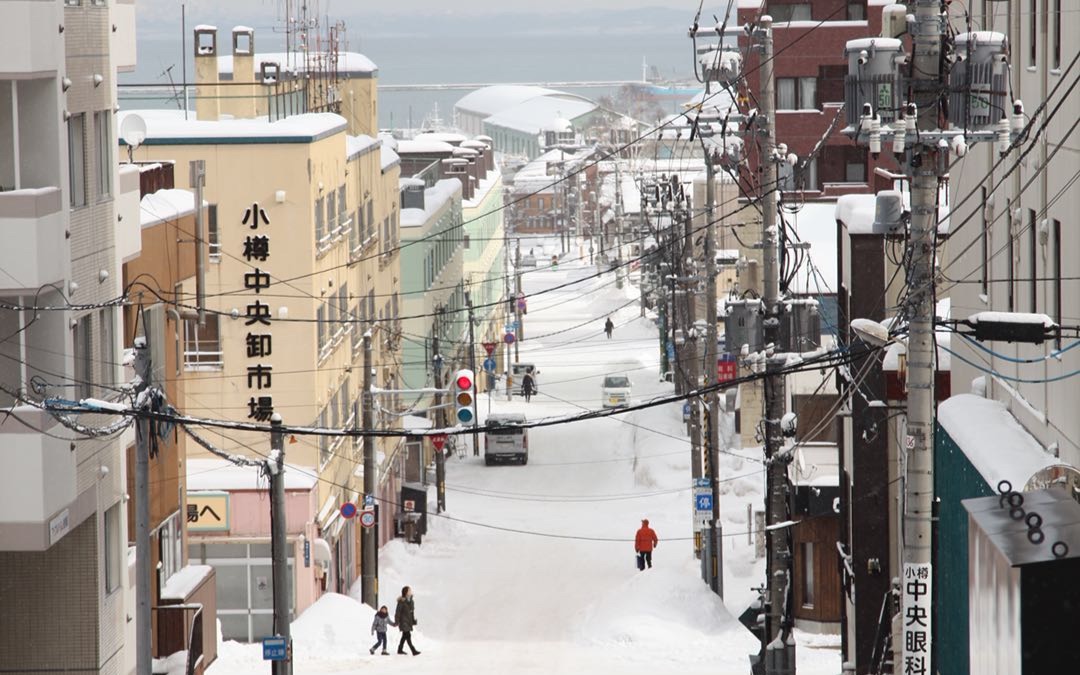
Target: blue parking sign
x,y
275,649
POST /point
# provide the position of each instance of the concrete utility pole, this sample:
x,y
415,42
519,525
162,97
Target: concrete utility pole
x,y
197,170
440,423
143,621
779,648
519,331
472,367
712,398
926,62
275,469
369,578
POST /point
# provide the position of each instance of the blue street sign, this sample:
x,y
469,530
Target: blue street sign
x,y
307,553
670,352
275,649
489,364
369,500
703,502
686,410
701,482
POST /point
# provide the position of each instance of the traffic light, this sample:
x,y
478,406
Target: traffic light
x,y
464,381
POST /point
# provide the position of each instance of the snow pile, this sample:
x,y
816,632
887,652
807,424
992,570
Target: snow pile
x,y
336,627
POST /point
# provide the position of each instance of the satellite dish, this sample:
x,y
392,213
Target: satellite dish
x,y
133,132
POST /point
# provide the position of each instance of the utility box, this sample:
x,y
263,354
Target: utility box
x,y
874,77
800,327
412,513
979,80
743,325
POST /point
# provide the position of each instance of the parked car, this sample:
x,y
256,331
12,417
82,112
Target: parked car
x,y
615,392
506,439
518,370
528,261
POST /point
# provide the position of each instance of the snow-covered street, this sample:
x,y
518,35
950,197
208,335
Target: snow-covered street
x,y
532,570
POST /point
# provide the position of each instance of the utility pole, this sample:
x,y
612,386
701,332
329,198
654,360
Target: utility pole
x,y
472,367
926,68
712,397
369,578
779,647
440,417
275,469
519,330
143,622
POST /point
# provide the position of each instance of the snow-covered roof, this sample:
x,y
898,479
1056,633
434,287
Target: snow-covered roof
x,y
993,441
210,474
359,145
170,128
815,223
350,64
424,147
483,188
857,212
165,205
536,114
444,136
388,157
435,198
499,97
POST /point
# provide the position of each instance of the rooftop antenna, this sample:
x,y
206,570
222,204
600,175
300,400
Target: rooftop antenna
x,y
133,133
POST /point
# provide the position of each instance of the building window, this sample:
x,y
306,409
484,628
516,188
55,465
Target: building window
x,y
343,212
1033,255
324,329
465,240
855,172
808,574
103,151
796,93
170,548
1033,33
108,345
320,220
213,234
1055,233
856,11
202,344
792,12
332,213
72,3
1056,45
371,217
84,364
113,551
77,159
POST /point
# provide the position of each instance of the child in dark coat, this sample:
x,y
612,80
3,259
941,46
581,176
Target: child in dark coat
x,y
378,629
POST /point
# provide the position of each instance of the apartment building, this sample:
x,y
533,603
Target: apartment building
x,y
63,534
302,235
810,75
1011,250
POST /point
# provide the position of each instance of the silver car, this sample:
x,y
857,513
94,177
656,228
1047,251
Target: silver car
x,y
506,439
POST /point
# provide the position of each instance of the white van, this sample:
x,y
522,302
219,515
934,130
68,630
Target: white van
x,y
615,391
506,439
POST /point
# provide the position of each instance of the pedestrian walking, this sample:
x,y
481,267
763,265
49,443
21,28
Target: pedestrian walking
x,y
644,542
405,619
609,327
378,629
528,385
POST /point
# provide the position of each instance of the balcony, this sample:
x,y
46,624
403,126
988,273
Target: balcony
x,y
37,484
123,37
30,38
32,227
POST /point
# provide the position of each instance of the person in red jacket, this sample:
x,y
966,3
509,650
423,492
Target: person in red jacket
x,y
644,542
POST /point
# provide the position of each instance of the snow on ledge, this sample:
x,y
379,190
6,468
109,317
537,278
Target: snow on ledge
x,y
1012,317
992,440
181,585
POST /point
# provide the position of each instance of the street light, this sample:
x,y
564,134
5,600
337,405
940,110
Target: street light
x,y
871,332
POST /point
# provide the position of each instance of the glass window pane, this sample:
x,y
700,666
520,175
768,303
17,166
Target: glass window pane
x,y
234,626
785,93
77,158
807,93
262,625
232,586
262,587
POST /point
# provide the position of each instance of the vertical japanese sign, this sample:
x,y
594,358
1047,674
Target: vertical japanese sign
x,y
915,604
259,341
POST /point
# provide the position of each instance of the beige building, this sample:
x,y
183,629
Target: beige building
x,y
302,233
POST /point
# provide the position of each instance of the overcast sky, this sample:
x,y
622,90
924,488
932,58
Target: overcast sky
x,y
413,6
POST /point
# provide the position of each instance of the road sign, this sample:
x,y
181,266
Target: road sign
x,y
670,352
367,518
727,369
509,338
489,364
275,649
307,553
369,500
348,510
409,505
701,482
703,502
489,347
438,440
686,411
521,304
